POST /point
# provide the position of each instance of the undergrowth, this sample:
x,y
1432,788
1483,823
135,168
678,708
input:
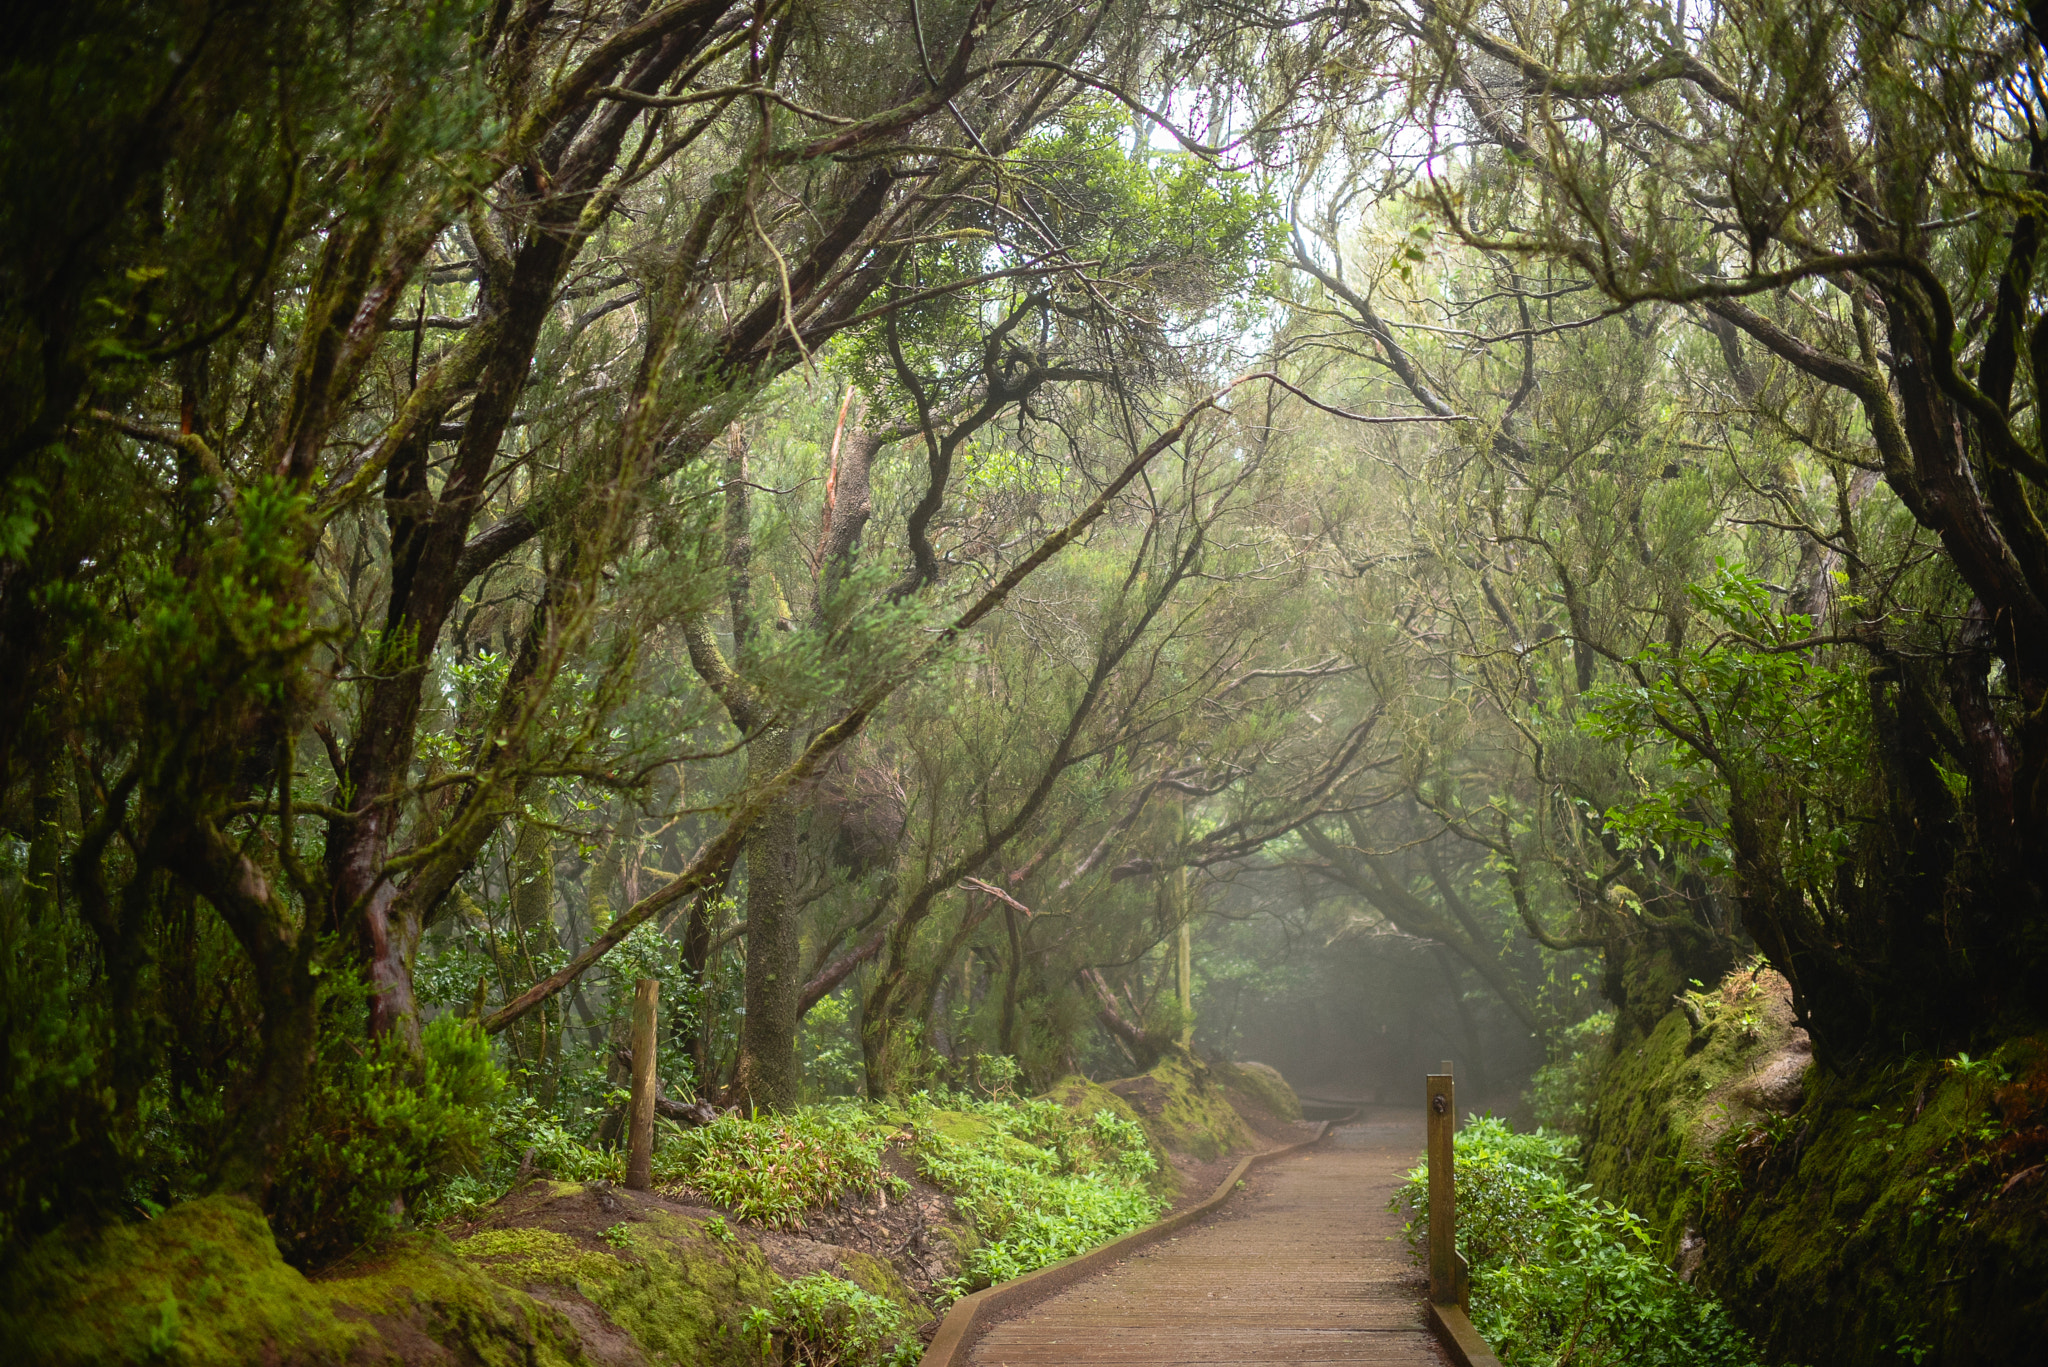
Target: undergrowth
x,y
1563,1092
774,1168
380,1126
1558,1277
826,1321
1040,1183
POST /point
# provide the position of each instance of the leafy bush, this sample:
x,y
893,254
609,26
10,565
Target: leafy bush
x,y
830,1047
830,1322
995,1074
560,1154
525,1141
1562,1092
1559,1277
378,1129
1040,1184
774,1168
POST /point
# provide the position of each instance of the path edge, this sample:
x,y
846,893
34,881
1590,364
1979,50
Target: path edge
x,y
970,1314
1454,1330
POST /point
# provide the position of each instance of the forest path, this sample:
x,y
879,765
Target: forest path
x,y
1304,1266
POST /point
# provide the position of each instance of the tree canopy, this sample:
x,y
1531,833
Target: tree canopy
x,y
975,537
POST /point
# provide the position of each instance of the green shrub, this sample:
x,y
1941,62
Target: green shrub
x,y
525,1141
829,1322
1559,1277
773,1168
1561,1095
830,1047
379,1128
558,1153
1039,1183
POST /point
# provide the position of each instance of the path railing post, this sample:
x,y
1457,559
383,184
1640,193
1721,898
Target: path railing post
x,y
640,1119
1447,1282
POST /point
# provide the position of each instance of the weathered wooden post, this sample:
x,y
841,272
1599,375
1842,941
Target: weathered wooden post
x,y
640,1119
1441,1101
1450,1279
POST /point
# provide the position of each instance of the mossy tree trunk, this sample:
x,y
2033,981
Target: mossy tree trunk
x,y
768,1075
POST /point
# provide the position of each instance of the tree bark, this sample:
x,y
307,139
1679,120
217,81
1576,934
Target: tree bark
x,y
640,1132
768,1074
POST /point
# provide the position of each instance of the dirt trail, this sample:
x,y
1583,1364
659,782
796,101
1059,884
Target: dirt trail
x,y
1304,1266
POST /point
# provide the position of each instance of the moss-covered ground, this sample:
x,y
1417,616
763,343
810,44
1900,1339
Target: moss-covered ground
x,y
1259,1086
1894,1215
204,1283
1084,1097
1186,1109
569,1272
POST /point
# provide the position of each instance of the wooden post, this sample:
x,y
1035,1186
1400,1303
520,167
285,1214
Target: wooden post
x,y
1441,1103
640,1120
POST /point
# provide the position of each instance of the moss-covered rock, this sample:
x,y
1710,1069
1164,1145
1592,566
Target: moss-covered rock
x,y
1262,1085
669,1283
958,1240
204,1284
1666,1101
1887,1216
1185,1109
1084,1097
959,1126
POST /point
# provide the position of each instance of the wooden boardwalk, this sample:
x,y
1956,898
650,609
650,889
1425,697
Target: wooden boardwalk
x,y
1304,1266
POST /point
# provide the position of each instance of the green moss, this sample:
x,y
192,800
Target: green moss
x,y
1263,1085
521,1255
1185,1111
1884,1219
204,1283
1082,1097
1875,1216
957,1126
682,1293
417,1285
677,1290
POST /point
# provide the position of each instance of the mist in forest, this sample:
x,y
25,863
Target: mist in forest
x,y
977,545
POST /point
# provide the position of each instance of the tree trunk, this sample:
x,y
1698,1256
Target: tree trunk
x,y
1006,1035
767,1075
533,920
694,1035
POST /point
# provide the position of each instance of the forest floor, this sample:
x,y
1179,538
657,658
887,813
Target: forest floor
x,y
586,1272
919,1236
910,1247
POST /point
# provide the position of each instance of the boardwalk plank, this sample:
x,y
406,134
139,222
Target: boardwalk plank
x,y
1305,1267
